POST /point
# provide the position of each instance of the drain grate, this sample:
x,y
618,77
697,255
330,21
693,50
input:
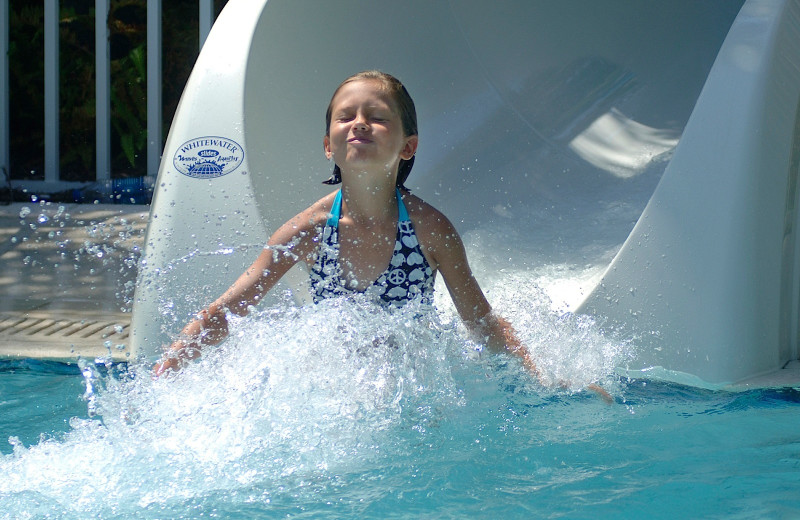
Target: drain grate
x,y
62,338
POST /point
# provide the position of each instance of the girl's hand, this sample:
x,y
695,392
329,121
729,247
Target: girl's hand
x,y
599,390
169,364
174,358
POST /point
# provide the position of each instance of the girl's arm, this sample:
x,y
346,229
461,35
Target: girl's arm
x,y
447,250
293,242
450,256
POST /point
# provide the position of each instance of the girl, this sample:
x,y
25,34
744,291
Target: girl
x,y
349,237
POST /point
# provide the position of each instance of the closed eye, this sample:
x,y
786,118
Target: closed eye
x,y
346,117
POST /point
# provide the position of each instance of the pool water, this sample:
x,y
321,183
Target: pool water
x,y
337,411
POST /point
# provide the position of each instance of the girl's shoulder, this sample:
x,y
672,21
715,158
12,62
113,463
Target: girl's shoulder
x,y
315,215
439,239
427,220
318,212
305,224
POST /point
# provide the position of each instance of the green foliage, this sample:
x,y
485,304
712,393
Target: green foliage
x,y
76,93
26,88
128,34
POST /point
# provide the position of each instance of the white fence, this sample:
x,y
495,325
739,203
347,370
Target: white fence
x,y
103,88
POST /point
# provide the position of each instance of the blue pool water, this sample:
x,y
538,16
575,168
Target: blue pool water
x,y
336,412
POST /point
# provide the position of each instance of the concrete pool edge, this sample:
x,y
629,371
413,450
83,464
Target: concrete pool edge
x,y
52,337
64,318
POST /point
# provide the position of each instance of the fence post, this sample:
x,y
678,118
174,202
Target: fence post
x,y
154,111
102,85
51,91
102,92
206,19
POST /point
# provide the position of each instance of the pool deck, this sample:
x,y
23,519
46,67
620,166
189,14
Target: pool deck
x,y
67,273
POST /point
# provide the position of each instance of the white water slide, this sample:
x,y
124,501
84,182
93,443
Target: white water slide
x,y
532,113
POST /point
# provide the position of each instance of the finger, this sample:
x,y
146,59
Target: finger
x,y
605,396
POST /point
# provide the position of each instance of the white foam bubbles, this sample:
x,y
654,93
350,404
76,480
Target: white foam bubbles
x,y
295,403
294,394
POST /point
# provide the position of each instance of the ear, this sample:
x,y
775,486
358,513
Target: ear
x,y
326,145
410,148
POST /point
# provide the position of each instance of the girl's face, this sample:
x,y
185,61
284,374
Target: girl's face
x,y
366,133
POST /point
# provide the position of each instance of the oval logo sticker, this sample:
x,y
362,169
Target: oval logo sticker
x,y
208,157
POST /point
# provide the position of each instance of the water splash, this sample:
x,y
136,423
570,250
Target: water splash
x,y
297,402
334,402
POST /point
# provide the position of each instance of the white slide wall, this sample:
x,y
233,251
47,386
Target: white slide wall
x,y
522,104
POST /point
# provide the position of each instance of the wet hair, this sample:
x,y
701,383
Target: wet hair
x,y
404,106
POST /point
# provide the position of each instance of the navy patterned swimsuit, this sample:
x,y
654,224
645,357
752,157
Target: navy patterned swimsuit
x,y
408,277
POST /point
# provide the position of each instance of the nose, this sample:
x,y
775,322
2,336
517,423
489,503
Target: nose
x,y
360,122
